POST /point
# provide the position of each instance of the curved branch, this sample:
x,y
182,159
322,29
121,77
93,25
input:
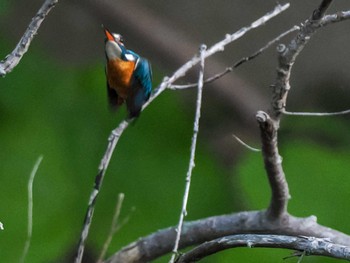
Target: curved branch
x,y
310,245
11,60
273,166
161,242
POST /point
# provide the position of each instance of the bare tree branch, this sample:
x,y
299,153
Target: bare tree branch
x,y
161,242
319,114
238,63
310,245
269,125
196,232
273,165
11,60
116,133
193,153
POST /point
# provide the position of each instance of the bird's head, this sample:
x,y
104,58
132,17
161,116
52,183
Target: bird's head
x,y
114,44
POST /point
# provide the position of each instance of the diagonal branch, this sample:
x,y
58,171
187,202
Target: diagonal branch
x,y
11,60
239,62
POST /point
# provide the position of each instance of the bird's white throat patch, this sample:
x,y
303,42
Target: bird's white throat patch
x,y
113,50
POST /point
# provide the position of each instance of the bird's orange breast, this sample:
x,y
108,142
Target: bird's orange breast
x,y
119,73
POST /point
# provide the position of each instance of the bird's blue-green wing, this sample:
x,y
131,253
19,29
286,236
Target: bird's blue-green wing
x,y
141,87
143,73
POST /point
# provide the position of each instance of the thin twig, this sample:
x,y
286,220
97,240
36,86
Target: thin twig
x,y
30,208
319,114
167,82
114,227
193,153
239,62
11,60
246,145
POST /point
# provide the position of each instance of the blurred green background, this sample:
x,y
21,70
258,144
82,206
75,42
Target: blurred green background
x,y
56,107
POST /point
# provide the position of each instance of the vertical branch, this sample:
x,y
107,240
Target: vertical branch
x,y
11,60
273,167
269,125
30,208
193,153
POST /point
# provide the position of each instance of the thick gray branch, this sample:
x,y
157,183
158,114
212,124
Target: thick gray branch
x,y
309,245
273,167
196,232
11,60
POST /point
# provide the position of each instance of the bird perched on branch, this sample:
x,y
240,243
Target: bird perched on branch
x,y
129,76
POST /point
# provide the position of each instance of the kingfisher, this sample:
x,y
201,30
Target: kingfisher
x,y
129,76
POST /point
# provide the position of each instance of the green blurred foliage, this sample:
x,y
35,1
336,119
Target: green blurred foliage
x,y
61,113
4,4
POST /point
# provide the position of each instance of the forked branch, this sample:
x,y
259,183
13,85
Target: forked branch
x,y
269,123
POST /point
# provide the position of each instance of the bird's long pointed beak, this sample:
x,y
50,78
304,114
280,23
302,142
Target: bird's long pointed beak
x,y
108,34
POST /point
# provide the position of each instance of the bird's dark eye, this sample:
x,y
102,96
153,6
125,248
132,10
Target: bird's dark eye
x,y
121,39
